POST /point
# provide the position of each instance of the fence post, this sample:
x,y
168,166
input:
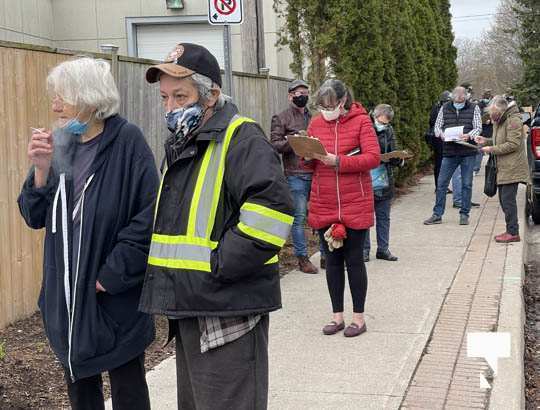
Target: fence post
x,y
113,51
267,114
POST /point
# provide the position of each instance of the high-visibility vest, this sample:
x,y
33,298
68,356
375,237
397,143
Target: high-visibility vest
x,y
192,251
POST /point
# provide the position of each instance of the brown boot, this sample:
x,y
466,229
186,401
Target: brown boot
x,y
306,266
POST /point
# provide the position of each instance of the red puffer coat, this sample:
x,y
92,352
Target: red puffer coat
x,y
344,195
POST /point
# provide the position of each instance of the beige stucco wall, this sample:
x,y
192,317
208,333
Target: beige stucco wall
x,y
277,60
27,21
85,24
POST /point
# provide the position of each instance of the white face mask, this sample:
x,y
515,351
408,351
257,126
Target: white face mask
x,y
333,114
380,126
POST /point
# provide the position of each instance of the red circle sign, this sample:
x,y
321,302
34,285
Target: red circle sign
x,y
225,7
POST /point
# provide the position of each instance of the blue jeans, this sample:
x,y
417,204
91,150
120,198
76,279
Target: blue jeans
x,y
382,224
300,186
448,167
456,186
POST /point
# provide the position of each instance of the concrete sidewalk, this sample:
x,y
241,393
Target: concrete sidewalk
x,y
447,282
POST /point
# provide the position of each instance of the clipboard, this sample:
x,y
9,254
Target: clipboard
x,y
305,147
466,144
403,154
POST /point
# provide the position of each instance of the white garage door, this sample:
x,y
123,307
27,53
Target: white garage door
x,y
155,41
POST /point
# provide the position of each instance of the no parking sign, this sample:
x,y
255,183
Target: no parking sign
x,y
225,12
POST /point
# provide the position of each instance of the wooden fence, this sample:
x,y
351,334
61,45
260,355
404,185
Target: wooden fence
x,y
24,103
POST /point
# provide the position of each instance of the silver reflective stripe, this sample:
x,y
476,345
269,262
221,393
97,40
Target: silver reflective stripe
x,y
204,209
207,193
180,251
264,223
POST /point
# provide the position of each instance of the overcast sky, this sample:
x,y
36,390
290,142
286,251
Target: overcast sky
x,y
471,17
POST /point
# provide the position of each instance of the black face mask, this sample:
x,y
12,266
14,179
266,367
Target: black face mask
x,y
300,101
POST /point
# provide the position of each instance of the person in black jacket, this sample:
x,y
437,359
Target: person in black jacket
x,y
223,214
435,143
92,186
464,117
383,114
487,126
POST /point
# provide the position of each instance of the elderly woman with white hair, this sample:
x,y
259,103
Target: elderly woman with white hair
x,y
92,186
508,146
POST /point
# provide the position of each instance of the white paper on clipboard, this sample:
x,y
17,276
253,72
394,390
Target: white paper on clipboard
x,y
453,134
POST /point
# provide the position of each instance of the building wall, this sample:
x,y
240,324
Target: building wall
x,y
27,21
277,60
85,24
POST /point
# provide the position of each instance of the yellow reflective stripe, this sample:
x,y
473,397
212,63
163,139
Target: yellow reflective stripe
x,y
263,236
272,260
179,264
270,213
159,194
198,188
183,239
221,171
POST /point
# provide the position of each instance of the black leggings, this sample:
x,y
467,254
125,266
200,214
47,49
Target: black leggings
x,y
352,255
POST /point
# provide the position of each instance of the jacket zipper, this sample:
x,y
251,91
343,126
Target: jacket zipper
x,y
76,279
337,170
61,192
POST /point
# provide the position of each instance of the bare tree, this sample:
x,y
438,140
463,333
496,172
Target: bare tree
x,y
493,60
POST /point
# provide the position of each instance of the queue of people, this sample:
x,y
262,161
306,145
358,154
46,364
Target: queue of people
x,y
120,246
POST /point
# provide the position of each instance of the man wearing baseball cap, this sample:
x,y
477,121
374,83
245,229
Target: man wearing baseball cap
x,y
222,215
290,121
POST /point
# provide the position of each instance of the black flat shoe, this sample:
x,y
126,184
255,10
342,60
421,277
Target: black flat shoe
x,y
387,256
366,257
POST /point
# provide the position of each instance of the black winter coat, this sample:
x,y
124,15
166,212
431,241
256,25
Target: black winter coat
x,y
435,143
116,226
240,283
387,143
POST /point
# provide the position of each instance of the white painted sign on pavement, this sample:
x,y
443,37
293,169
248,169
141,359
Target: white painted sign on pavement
x,y
225,12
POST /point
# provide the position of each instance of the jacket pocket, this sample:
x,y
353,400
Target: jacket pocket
x,y
53,309
95,334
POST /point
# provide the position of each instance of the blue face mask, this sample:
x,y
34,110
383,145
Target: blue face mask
x,y
75,127
459,106
184,120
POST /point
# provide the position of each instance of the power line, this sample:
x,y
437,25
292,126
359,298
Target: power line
x,y
474,15
471,20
